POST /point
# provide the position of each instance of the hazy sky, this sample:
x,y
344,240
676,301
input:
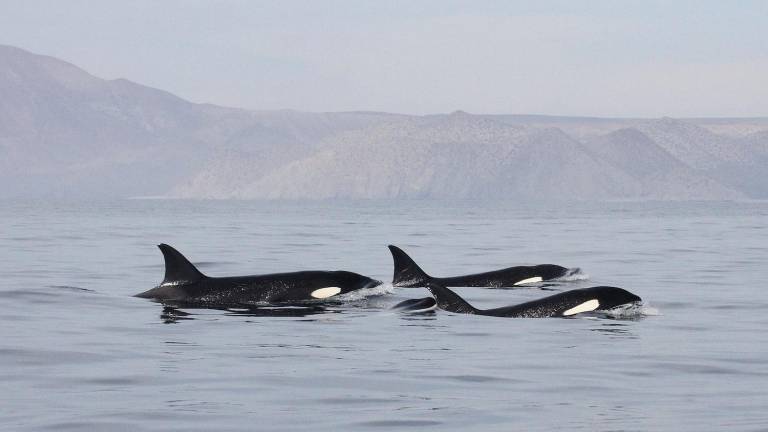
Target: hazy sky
x,y
611,58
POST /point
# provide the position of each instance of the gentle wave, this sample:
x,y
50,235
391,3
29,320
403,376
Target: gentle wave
x,y
631,311
361,294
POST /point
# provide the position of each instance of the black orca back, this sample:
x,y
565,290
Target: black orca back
x,y
562,304
407,274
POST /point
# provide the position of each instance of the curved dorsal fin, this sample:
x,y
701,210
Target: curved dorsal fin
x,y
448,300
178,269
407,273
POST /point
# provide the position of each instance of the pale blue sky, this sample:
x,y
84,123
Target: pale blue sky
x,y
602,58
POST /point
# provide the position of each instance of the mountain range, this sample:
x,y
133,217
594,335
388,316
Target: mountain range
x,y
65,133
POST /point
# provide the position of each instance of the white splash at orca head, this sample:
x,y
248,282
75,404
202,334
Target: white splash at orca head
x,y
631,311
572,275
360,294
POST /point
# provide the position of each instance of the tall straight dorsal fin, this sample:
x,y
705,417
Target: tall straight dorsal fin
x,y
178,269
407,273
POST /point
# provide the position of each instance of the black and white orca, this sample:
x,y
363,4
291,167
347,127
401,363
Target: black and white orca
x,y
426,304
185,283
564,304
408,274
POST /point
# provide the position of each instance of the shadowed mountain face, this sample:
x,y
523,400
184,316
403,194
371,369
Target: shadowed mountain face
x,y
66,133
654,171
455,156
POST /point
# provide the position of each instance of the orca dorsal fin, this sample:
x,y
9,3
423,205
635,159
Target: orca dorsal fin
x,y
178,269
448,300
407,273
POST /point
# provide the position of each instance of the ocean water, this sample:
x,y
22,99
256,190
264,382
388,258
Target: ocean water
x,y
78,352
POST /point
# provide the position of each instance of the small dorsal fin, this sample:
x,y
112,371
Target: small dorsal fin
x,y
178,269
448,300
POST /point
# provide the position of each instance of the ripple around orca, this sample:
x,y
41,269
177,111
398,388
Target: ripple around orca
x,y
399,423
71,288
46,294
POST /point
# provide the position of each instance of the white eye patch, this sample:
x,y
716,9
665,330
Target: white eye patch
x,y
587,306
529,280
325,292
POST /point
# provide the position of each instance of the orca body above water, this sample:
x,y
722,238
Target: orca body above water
x,y
185,283
408,274
564,304
421,305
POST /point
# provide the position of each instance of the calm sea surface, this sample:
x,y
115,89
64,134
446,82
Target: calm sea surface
x,y
78,352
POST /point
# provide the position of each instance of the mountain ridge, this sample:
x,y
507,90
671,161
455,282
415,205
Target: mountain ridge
x,y
67,133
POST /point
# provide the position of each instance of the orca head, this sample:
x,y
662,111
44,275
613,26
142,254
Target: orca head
x,y
610,297
349,281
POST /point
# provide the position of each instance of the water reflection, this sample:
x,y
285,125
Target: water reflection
x,y
616,330
173,313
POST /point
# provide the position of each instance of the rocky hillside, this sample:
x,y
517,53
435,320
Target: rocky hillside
x,y
66,133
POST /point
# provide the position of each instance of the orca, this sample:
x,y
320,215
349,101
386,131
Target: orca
x,y
422,305
564,304
185,283
408,274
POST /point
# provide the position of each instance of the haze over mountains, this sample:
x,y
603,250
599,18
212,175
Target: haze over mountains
x,y
65,133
